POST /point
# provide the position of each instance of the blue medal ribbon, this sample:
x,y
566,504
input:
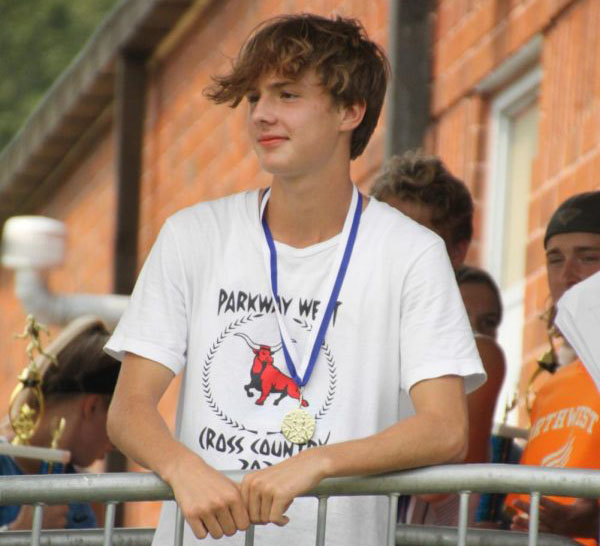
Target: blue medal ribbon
x,y
337,286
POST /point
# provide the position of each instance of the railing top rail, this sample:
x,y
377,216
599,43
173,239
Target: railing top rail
x,y
142,486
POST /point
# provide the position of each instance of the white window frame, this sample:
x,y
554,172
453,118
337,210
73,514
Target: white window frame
x,y
503,108
518,95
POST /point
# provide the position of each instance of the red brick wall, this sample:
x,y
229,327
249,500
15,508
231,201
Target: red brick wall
x,y
471,39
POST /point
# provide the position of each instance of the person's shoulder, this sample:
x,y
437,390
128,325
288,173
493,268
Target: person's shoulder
x,y
574,369
216,213
491,354
387,219
572,373
488,345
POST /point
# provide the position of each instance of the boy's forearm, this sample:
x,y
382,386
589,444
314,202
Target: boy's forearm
x,y
417,441
420,440
140,432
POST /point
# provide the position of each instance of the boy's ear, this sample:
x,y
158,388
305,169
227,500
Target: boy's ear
x,y
90,405
353,115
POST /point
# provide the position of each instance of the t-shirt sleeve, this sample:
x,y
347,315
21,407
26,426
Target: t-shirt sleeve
x,y
154,324
436,337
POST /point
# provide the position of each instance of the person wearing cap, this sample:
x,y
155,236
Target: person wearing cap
x,y
565,428
79,388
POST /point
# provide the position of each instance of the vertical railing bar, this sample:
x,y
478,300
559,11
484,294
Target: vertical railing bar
x,y
534,518
249,540
109,523
321,521
463,517
36,526
392,519
179,521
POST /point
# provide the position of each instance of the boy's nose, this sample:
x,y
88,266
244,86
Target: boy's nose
x,y
570,274
262,111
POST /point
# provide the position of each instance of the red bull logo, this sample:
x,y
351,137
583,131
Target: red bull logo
x,y
265,377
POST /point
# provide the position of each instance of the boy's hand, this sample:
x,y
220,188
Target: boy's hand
x,y
268,493
53,517
210,502
579,519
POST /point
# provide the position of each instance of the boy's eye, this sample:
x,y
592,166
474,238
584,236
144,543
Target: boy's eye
x,y
287,95
554,259
252,98
590,257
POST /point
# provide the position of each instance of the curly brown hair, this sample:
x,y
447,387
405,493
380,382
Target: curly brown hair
x,y
424,179
352,68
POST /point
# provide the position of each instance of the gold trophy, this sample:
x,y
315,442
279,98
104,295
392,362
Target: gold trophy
x,y
26,405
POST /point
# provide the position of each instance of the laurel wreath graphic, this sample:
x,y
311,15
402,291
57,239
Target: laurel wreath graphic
x,y
206,371
230,329
330,368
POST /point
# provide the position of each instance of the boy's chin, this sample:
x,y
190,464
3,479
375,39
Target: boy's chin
x,y
277,169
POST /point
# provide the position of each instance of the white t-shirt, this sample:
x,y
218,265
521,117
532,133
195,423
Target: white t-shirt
x,y
202,305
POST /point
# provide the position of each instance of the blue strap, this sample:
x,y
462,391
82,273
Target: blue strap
x,y
301,382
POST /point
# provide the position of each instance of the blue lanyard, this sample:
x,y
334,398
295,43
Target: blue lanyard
x,y
337,286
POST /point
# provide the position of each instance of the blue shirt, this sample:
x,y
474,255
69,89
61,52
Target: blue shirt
x,y
79,516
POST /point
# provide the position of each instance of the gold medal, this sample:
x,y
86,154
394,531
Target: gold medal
x,y
298,426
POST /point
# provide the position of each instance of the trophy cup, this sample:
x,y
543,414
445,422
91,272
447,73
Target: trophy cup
x,y
26,405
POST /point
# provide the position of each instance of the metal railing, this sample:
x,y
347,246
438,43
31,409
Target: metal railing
x,y
112,489
80,537
431,535
406,535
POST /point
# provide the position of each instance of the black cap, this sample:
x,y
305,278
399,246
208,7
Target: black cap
x,y
580,213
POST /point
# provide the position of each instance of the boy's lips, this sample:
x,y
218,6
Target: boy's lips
x,y
271,140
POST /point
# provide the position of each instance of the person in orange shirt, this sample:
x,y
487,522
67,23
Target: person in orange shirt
x,y
565,428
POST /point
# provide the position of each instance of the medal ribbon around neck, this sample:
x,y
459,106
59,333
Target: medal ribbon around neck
x,y
336,279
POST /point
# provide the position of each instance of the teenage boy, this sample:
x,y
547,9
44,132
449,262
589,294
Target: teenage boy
x,y
296,314
565,431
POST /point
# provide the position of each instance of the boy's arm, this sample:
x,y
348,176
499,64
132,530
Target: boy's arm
x,y
481,403
211,503
579,519
437,433
480,406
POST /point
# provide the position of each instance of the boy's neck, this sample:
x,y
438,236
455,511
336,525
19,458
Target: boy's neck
x,y
302,213
40,438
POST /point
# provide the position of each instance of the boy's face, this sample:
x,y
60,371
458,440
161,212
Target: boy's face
x,y
571,258
295,127
482,307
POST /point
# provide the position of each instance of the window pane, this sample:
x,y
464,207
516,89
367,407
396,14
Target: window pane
x,y
522,148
